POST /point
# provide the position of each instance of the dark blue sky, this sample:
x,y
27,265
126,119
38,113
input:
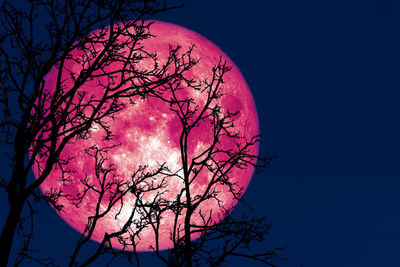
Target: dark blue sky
x,y
325,77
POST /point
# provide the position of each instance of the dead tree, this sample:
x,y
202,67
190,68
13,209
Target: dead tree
x,y
37,119
219,235
234,237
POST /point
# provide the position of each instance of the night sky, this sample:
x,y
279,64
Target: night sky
x,y
325,78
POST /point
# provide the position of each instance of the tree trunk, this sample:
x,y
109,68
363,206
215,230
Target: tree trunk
x,y
188,242
7,235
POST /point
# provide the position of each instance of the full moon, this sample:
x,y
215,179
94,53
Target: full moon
x,y
147,133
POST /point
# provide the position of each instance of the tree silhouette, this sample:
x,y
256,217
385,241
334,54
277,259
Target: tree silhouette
x,y
40,122
216,160
41,116
219,234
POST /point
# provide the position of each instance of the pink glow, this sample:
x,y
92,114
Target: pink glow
x,y
149,132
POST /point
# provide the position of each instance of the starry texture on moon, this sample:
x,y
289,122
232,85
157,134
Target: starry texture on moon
x,y
148,134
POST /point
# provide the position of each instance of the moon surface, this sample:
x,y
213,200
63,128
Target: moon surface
x,y
147,134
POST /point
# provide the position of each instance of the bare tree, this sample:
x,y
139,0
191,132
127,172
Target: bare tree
x,y
41,116
217,161
200,236
39,121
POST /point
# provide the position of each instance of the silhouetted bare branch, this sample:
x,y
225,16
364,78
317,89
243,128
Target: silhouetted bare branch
x,y
110,191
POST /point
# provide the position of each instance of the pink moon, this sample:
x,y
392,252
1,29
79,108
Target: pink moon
x,y
147,133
